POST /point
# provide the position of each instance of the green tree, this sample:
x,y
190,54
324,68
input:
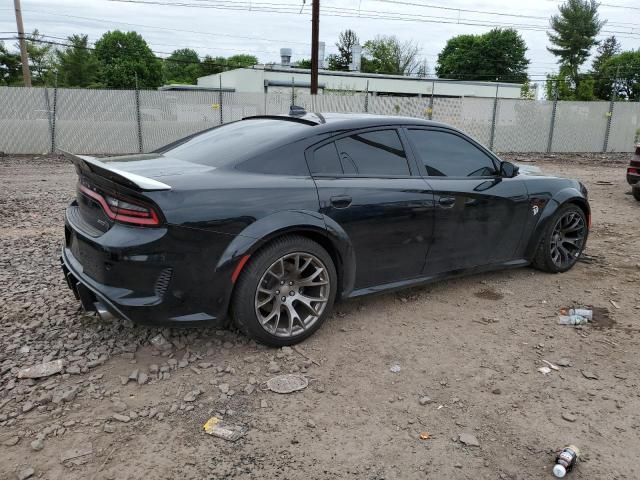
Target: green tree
x,y
212,65
607,49
41,59
496,55
563,85
124,55
182,66
575,30
386,54
527,91
10,67
341,61
242,61
304,63
621,74
77,64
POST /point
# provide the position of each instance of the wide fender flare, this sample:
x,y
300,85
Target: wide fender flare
x,y
262,231
560,198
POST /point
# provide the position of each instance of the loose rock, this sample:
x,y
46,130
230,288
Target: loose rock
x,y
121,418
273,367
26,473
468,439
37,444
42,370
11,441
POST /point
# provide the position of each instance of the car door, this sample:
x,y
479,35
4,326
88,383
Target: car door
x,y
369,185
479,215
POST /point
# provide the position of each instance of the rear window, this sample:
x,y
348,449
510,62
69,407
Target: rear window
x,y
228,143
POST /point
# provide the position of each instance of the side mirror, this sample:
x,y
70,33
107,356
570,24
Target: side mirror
x,y
508,170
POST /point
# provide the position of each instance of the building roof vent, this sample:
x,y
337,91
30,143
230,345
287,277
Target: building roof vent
x,y
285,57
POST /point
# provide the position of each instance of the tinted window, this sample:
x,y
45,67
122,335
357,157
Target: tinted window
x,y
446,154
231,142
325,160
373,153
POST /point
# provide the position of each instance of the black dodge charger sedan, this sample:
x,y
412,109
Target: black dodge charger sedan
x,y
268,220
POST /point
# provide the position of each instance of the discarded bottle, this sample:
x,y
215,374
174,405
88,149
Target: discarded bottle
x,y
583,312
566,460
573,319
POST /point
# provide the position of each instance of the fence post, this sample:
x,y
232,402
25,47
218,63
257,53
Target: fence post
x,y
138,117
220,97
612,105
51,114
433,87
293,91
493,117
553,117
366,99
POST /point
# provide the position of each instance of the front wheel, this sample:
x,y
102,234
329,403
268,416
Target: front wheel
x,y
562,241
285,292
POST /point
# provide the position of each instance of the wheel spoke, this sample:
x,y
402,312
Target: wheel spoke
x,y
293,316
262,303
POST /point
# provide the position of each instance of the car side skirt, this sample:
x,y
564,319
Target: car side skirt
x,y
418,281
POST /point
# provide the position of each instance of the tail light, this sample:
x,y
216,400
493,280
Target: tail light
x,y
632,171
123,210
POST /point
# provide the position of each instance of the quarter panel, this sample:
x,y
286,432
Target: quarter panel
x,y
548,194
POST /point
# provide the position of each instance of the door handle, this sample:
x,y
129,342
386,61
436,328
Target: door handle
x,y
341,201
447,202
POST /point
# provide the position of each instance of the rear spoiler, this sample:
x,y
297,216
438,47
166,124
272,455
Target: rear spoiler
x,y
89,164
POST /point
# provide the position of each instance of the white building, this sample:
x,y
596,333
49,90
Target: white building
x,y
280,79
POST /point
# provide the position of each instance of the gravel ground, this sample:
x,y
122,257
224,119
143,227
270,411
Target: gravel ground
x,y
468,352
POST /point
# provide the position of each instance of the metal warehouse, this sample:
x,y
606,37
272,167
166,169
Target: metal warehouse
x,y
280,79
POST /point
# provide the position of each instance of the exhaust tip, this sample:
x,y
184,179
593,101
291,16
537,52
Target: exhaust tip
x,y
103,313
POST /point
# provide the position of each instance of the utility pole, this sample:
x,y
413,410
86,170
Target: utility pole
x,y
26,74
315,33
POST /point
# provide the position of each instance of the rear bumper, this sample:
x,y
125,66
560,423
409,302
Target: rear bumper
x,y
633,178
153,277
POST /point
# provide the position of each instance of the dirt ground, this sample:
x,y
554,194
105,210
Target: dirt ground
x,y
468,350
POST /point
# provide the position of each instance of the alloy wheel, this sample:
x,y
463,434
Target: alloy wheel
x,y
567,239
292,294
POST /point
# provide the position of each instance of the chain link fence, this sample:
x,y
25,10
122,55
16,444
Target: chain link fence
x,y
39,120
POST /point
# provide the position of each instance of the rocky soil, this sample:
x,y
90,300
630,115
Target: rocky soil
x,y
437,382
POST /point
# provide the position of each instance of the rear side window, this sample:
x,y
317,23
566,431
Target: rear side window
x,y
238,140
325,161
378,153
449,155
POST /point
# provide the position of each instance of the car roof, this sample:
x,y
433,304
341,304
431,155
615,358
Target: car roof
x,y
328,122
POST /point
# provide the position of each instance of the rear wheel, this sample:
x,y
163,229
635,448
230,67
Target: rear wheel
x,y
562,241
285,292
636,192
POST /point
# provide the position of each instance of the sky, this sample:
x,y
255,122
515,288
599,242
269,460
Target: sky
x,y
228,27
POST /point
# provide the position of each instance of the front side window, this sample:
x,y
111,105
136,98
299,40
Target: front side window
x,y
446,154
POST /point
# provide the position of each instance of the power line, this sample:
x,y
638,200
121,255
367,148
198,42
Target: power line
x,y
118,22
482,12
267,7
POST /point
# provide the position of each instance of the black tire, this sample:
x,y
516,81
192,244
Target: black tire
x,y
636,192
244,303
543,258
